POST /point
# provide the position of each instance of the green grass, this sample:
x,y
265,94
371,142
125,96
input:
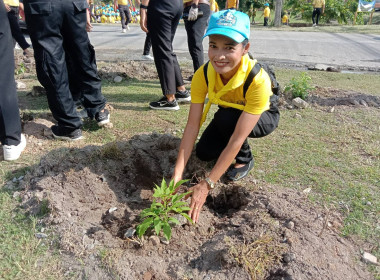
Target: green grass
x,y
336,154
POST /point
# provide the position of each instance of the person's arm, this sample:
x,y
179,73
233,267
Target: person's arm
x,y
115,6
88,23
189,136
143,18
323,7
237,4
199,193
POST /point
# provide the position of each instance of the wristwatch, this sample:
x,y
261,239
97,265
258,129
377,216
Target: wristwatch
x,y
210,183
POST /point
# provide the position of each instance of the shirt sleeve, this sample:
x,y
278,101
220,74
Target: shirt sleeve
x,y
198,87
258,94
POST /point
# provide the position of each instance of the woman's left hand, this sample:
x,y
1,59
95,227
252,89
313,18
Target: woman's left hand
x,y
198,198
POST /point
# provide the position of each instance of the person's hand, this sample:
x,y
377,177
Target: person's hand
x,y
193,14
88,23
143,20
198,198
7,7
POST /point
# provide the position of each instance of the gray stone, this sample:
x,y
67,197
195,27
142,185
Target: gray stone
x,y
129,233
369,258
16,194
40,235
290,225
300,103
288,257
181,219
112,209
155,240
20,85
164,241
117,79
354,102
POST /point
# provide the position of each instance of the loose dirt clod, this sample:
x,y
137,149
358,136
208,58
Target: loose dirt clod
x,y
241,233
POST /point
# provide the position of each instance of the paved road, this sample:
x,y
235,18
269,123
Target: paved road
x,y
301,49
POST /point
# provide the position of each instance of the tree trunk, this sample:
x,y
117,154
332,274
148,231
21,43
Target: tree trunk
x,y
277,15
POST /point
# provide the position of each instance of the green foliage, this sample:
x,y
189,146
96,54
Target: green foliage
x,y
20,70
300,86
164,206
342,11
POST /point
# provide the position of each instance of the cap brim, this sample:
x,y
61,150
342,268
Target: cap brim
x,y
234,35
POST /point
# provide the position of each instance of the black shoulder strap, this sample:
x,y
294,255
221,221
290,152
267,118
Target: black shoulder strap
x,y
205,71
254,71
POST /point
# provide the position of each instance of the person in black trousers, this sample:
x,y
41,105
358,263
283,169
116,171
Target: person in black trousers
x,y
10,124
13,17
65,59
195,28
161,18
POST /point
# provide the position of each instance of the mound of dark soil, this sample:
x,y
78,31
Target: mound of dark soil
x,y
246,231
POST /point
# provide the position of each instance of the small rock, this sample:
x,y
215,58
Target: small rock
x,y
20,85
108,125
372,103
288,257
297,116
155,240
38,91
369,203
164,241
40,235
129,233
182,220
117,79
362,102
332,109
14,180
369,258
16,194
211,229
112,209
307,190
20,178
354,102
300,103
290,225
147,276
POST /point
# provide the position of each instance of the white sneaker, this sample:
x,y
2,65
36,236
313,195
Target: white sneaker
x,y
127,27
147,57
314,25
13,152
124,31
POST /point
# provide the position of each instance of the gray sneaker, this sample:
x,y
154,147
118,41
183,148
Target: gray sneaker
x,y
183,96
164,104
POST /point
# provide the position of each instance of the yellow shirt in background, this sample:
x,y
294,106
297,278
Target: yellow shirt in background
x,y
256,100
266,12
285,19
318,3
231,4
13,3
122,2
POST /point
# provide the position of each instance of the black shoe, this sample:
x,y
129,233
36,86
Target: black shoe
x,y
102,117
164,104
235,174
63,134
183,96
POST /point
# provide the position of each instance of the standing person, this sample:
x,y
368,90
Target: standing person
x,y
232,4
125,14
10,124
12,7
160,18
245,106
65,59
92,14
319,8
148,43
195,28
266,14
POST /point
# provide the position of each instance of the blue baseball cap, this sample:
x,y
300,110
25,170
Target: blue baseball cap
x,y
266,4
230,23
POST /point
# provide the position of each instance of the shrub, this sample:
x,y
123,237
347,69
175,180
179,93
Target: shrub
x,y
160,214
299,86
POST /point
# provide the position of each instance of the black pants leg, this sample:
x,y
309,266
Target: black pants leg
x,y
57,30
316,15
195,31
266,21
125,15
147,44
163,19
15,28
216,136
10,124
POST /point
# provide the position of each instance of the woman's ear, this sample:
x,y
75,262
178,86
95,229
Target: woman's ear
x,y
246,48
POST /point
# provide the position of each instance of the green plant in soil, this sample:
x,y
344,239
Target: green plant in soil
x,y
166,203
300,86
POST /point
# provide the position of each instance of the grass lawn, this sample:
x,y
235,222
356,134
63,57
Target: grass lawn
x,y
335,154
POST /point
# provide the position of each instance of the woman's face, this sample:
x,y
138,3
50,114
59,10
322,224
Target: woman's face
x,y
225,55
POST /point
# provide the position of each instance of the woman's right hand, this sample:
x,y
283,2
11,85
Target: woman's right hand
x,y
143,20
